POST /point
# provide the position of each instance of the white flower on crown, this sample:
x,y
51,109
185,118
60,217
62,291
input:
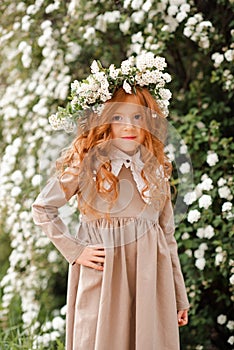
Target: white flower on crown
x,y
127,88
113,71
94,67
143,70
126,67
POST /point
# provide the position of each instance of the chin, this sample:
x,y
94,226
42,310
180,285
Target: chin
x,y
127,146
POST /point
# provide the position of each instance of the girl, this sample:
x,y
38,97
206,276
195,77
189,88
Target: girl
x,y
125,289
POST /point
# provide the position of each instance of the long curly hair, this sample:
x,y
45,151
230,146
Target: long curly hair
x,y
92,144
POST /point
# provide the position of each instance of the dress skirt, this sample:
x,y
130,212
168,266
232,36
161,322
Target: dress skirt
x,y
132,304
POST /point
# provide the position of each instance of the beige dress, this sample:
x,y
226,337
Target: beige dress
x,y
132,304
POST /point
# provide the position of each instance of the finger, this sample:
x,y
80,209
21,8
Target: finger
x,y
99,252
93,265
96,247
182,323
98,259
96,266
182,319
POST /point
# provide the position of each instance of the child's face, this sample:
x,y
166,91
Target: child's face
x,y
127,126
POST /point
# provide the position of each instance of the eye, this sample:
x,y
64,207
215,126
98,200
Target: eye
x,y
137,117
116,118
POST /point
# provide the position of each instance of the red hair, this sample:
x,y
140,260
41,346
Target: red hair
x,y
92,143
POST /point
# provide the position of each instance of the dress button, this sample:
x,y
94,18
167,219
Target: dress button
x,y
128,160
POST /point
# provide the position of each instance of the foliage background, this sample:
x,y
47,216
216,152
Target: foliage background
x,y
44,45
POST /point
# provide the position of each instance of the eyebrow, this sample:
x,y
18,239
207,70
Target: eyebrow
x,y
134,113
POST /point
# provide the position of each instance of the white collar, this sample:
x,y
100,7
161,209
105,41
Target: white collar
x,y
119,158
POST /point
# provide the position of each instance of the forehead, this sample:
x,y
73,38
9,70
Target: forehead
x,y
127,108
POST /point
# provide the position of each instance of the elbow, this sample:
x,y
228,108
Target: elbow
x,y
39,214
36,213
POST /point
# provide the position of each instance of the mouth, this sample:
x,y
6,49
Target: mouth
x,y
128,137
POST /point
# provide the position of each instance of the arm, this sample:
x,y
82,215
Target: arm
x,y
166,221
45,214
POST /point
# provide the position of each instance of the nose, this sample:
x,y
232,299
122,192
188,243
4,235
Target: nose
x,y
128,124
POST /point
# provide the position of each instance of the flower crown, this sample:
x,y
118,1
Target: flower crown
x,y
91,93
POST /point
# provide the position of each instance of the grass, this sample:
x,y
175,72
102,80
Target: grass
x,y
15,338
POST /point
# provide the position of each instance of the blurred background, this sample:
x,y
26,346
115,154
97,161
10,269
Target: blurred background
x,y
44,46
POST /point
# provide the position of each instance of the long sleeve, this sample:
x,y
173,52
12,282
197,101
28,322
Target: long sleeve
x,y
166,221
45,214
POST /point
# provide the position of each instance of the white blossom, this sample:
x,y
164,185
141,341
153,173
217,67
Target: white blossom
x,y
125,67
206,232
138,17
52,256
219,258
181,16
224,192
206,184
229,55
17,177
187,32
55,335
200,263
221,182
209,232
127,88
193,216
136,4
36,180
190,197
90,33
185,168
165,94
199,253
170,151
124,27
185,236
172,10
147,5
201,232
205,201
113,71
231,279
94,67
212,158
58,323
231,340
63,310
230,325
221,319
185,7
15,191
183,149
189,252
218,58
227,206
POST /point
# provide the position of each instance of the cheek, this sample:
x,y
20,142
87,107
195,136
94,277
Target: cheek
x,y
114,130
142,136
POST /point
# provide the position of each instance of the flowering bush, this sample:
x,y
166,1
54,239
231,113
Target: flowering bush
x,y
45,46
